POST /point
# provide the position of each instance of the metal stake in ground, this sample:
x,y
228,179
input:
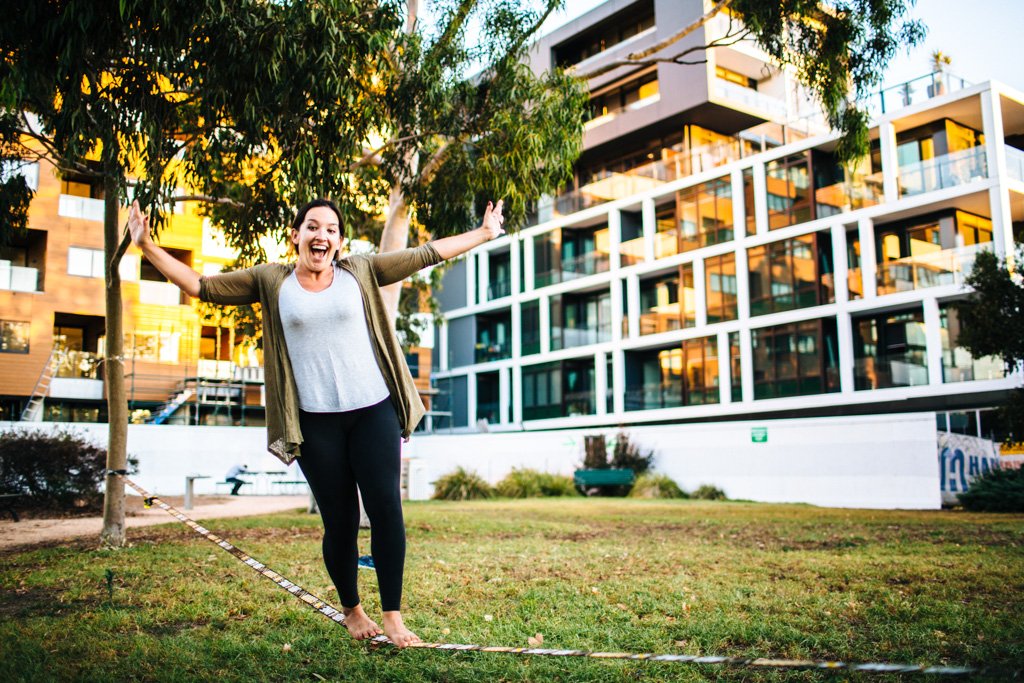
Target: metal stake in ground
x,y
338,617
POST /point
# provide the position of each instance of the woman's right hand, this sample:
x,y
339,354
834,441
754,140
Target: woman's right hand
x,y
138,225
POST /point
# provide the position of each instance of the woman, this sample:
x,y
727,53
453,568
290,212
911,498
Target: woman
x,y
337,386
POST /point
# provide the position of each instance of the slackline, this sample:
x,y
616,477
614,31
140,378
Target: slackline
x,y
338,617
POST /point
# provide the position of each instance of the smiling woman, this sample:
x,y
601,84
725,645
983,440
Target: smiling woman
x,y
339,392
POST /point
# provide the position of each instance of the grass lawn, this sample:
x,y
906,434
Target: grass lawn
x,y
738,579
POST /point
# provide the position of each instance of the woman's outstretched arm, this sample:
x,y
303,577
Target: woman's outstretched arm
x,y
490,228
173,269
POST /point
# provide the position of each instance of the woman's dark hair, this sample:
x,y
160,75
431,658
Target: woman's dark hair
x,y
300,215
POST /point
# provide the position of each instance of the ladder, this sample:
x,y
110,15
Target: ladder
x,y
167,409
33,411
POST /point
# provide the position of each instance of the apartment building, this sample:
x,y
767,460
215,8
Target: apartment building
x,y
713,261
183,365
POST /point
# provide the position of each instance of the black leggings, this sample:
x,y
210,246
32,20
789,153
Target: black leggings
x,y
340,451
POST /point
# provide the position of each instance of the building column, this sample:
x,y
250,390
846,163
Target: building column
x,y
600,382
995,155
648,215
760,200
515,258
633,305
700,293
442,345
890,162
517,394
868,259
471,279
742,284
847,362
483,270
933,339
724,369
504,393
617,316
618,381
614,239
840,267
517,330
471,400
739,211
544,318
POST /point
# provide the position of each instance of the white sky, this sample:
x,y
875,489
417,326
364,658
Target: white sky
x,y
985,39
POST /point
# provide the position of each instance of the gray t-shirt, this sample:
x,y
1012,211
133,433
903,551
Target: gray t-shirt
x,y
329,346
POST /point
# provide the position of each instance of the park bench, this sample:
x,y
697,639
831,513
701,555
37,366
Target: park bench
x,y
591,481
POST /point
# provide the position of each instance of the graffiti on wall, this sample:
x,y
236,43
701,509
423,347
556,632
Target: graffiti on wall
x,y
961,459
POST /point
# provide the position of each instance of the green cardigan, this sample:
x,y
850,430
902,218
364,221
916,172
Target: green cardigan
x,y
263,284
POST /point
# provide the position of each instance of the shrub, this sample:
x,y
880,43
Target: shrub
x,y
56,470
995,491
461,485
708,492
526,483
595,452
629,456
656,486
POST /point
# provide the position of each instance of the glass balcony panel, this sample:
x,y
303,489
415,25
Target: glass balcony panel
x,y
666,243
875,373
751,99
914,91
160,293
498,289
71,206
848,196
583,265
77,364
651,396
632,251
944,267
1015,163
948,170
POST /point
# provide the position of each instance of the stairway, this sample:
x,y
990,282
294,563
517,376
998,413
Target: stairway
x,y
167,409
33,411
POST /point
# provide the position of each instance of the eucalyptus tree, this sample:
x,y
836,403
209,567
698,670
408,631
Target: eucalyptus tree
x,y
249,104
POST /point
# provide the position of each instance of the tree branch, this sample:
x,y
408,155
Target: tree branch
x,y
634,57
452,30
369,156
677,58
206,199
434,162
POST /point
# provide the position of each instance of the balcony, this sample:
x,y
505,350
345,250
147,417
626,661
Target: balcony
x,y
498,289
750,100
571,269
948,170
18,278
70,206
943,267
76,376
914,91
654,395
632,106
1015,163
848,196
485,352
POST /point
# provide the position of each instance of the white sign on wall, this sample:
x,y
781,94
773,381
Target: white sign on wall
x,y
962,459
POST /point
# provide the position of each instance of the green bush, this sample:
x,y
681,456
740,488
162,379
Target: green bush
x,y
708,492
656,486
526,483
995,491
461,485
627,455
52,470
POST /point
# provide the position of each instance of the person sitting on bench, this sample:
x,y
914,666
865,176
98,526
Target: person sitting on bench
x,y
232,477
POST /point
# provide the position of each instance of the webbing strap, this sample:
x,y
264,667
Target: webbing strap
x,y
336,616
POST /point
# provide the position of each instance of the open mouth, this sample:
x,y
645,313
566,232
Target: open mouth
x,y
318,251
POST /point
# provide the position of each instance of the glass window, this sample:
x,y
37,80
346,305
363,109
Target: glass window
x,y
794,273
854,279
788,185
797,359
542,391
488,402
890,350
735,367
85,262
668,302
413,361
706,214
493,337
618,99
529,321
14,336
958,365
720,287
580,319
700,361
666,237
654,379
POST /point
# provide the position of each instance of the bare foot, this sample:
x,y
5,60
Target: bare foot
x,y
395,630
358,624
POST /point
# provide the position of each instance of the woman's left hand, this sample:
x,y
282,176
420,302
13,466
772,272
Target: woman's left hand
x,y
492,220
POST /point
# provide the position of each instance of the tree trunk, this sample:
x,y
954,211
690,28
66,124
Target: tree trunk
x,y
117,405
395,236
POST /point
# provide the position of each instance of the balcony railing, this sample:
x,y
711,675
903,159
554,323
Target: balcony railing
x,y
160,293
848,196
654,395
77,364
70,206
1015,163
943,171
498,289
751,99
611,114
581,266
483,353
946,267
571,337
883,373
18,278
914,91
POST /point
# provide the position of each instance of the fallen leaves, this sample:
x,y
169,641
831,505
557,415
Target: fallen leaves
x,y
287,647
536,640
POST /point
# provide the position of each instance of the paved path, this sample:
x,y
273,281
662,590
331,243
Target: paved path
x,y
32,531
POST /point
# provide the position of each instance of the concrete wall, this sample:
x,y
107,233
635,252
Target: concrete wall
x,y
885,461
